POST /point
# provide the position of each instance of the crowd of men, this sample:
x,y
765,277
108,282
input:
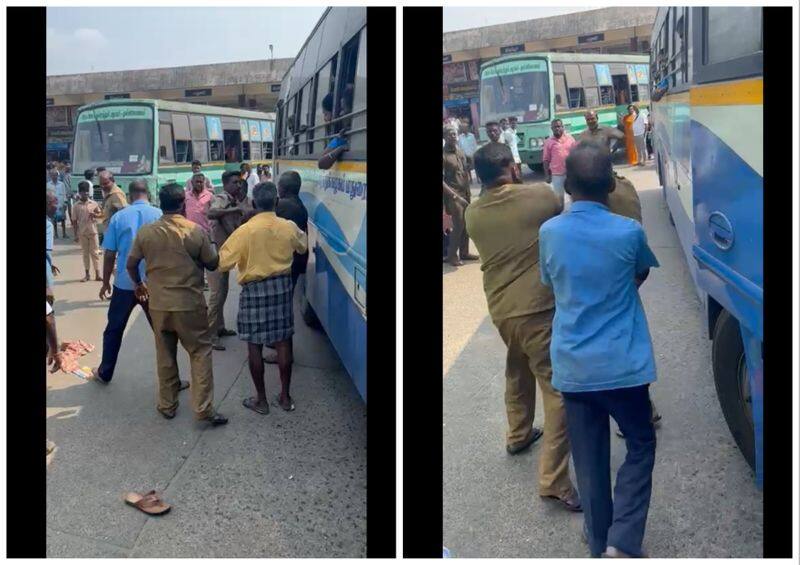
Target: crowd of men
x,y
562,261
159,259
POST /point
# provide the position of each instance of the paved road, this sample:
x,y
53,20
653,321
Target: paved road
x,y
705,502
282,485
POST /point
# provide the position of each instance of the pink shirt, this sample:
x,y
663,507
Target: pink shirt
x,y
197,208
556,152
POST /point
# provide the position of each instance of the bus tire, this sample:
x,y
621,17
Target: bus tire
x,y
309,316
728,363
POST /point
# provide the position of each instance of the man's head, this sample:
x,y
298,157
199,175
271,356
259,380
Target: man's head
x,y
53,174
172,199
198,182
88,174
493,131
245,168
51,203
327,107
196,166
494,164
590,174
558,128
265,196
450,136
106,180
83,190
99,170
137,190
591,119
289,184
512,122
232,183
503,123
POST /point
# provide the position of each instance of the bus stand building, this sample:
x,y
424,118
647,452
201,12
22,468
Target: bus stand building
x,y
252,85
621,30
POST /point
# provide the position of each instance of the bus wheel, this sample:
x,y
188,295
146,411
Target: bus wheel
x,y
309,316
731,381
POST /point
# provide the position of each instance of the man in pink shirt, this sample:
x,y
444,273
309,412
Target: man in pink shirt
x,y
198,200
556,150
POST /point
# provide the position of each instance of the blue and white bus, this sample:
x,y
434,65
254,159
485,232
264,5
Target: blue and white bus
x,y
706,108
332,64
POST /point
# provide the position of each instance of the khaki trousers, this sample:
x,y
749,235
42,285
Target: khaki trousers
x,y
528,360
218,285
91,251
191,329
459,239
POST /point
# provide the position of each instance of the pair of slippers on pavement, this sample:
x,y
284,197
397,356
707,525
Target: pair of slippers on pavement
x,y
252,404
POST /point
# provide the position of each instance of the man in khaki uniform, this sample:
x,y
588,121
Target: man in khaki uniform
x,y
504,224
176,251
597,134
114,199
456,192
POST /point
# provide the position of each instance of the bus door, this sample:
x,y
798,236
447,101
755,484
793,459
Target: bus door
x,y
621,83
232,137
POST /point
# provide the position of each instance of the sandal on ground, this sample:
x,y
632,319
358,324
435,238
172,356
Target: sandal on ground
x,y
97,378
217,346
149,503
534,435
168,415
252,404
225,332
183,386
289,407
216,419
571,502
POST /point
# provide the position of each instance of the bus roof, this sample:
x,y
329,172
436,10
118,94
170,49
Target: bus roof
x,y
176,106
572,58
335,27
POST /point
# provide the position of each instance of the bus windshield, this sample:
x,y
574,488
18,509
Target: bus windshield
x,y
119,138
516,88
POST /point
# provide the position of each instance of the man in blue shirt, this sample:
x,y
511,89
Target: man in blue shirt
x,y
117,243
601,351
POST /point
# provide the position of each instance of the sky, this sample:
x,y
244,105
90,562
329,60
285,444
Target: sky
x,y
84,40
465,18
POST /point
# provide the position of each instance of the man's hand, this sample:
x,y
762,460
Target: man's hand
x,y
55,361
55,270
105,291
141,292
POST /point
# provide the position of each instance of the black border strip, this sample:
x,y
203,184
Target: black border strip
x,y
778,343
26,349
381,332
422,283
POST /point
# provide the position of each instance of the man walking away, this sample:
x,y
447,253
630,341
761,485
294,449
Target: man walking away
x,y
290,207
176,251
84,221
504,224
225,215
119,236
601,350
262,250
556,150
456,187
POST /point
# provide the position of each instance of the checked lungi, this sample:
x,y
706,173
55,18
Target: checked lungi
x,y
265,310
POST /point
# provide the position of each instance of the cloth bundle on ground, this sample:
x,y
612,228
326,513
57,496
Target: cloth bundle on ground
x,y
71,351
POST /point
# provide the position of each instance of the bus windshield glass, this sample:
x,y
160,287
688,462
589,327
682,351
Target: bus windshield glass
x,y
119,138
516,88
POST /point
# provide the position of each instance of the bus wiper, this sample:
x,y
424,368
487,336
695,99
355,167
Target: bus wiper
x,y
99,129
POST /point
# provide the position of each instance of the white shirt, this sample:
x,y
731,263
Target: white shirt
x,y
509,137
60,190
252,181
640,123
468,144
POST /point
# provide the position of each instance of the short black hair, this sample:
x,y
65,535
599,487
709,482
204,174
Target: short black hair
x,y
491,161
327,102
100,170
244,166
84,186
171,196
226,176
88,174
138,185
264,196
559,120
195,175
196,162
491,124
291,181
590,171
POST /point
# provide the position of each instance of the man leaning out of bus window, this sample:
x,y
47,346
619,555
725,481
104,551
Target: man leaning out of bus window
x,y
338,144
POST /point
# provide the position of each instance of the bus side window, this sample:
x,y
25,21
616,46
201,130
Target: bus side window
x,y
166,152
574,86
346,84
358,139
304,118
324,85
183,138
197,124
560,86
267,149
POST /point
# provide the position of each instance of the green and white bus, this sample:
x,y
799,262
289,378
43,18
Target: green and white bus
x,y
157,140
537,88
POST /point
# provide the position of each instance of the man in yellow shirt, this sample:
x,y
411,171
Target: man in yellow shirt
x,y
262,250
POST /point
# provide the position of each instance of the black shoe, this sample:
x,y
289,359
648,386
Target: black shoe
x,y
217,346
535,434
216,420
571,502
166,414
225,332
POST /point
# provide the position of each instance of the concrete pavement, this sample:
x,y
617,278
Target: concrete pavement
x,y
705,502
281,485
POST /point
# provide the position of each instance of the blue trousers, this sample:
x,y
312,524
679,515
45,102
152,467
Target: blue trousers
x,y
619,523
119,311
